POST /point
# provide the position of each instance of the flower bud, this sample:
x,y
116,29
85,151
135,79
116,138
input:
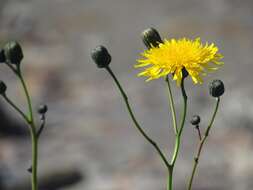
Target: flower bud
x,y
101,56
3,88
13,52
195,120
42,109
216,88
2,57
151,38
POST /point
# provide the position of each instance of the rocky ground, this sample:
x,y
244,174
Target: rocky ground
x,y
89,142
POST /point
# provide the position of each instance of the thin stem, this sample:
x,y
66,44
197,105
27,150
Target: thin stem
x,y
13,105
30,121
178,136
172,105
38,133
34,177
213,117
29,102
193,172
34,138
11,67
42,125
196,159
18,72
170,179
199,132
143,133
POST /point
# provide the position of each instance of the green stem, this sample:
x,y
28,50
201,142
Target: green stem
x,y
13,105
178,137
143,133
34,178
30,121
41,127
172,105
18,72
193,173
199,132
201,143
29,102
170,179
34,137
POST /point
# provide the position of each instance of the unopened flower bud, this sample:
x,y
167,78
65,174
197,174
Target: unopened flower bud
x,y
2,57
216,88
3,88
13,52
101,56
195,120
42,109
151,38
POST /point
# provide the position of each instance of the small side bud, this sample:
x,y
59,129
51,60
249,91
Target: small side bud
x,y
42,109
216,88
101,56
3,88
2,56
195,120
13,52
151,38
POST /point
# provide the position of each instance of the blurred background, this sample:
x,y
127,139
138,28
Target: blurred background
x,y
89,142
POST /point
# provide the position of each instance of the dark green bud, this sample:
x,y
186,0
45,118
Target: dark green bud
x,y
101,56
13,52
3,88
195,120
216,88
2,56
42,109
151,38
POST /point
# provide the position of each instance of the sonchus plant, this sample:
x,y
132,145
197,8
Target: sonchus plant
x,y
174,59
12,55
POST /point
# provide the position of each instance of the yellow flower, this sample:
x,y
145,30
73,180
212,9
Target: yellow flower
x,y
173,55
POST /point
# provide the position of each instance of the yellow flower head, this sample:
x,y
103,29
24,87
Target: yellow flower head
x,y
172,56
